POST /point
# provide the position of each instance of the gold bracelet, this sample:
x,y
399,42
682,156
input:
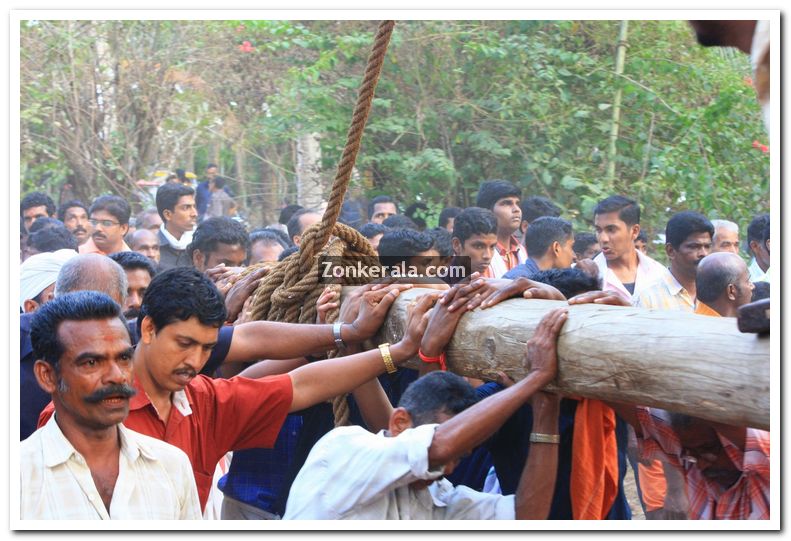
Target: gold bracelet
x,y
535,437
384,349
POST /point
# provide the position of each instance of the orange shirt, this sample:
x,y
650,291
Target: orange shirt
x,y
89,247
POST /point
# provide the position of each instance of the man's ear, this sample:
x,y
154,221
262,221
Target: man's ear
x,y
45,376
523,225
167,215
457,245
198,260
670,251
29,306
556,249
731,289
400,420
125,228
635,231
147,330
295,239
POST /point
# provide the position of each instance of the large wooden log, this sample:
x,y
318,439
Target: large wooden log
x,y
698,365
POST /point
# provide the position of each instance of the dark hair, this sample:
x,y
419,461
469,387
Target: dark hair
x,y
181,174
210,165
712,279
570,282
52,239
474,221
434,394
766,233
491,191
294,227
584,240
287,252
218,230
112,204
400,221
411,212
755,231
641,236
286,213
442,241
219,182
37,199
180,293
399,245
168,196
683,224
379,199
68,205
536,206
44,223
134,260
446,214
370,230
543,232
628,210
760,291
270,236
76,306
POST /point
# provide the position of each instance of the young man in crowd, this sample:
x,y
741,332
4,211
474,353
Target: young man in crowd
x,y
373,232
623,268
475,236
726,237
759,265
641,242
550,245
410,247
83,463
266,245
145,242
219,241
148,219
48,235
176,207
74,215
299,222
36,205
381,208
220,203
109,217
447,217
586,246
139,273
534,208
502,198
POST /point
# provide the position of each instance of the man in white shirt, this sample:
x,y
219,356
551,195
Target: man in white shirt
x,y
759,265
83,464
397,474
624,269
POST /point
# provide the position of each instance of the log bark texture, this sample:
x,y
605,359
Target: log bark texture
x,y
698,365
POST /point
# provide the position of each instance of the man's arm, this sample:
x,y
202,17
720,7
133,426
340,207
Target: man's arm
x,y
473,426
537,483
323,380
275,340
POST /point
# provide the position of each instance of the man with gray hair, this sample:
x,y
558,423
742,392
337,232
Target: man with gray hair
x,y
81,272
723,285
726,237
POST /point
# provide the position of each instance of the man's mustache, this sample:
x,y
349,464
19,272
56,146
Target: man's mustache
x,y
132,313
121,390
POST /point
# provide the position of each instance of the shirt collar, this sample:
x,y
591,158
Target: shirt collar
x,y
705,310
673,285
180,399
513,246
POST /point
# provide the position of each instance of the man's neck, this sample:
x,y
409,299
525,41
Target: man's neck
x,y
174,231
544,263
160,397
723,307
504,238
91,443
628,262
687,282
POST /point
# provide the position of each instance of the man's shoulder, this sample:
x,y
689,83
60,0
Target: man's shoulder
x,y
156,448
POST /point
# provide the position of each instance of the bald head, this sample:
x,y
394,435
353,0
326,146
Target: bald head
x,y
723,282
92,272
145,242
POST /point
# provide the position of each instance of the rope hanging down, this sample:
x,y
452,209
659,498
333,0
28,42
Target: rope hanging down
x,y
290,291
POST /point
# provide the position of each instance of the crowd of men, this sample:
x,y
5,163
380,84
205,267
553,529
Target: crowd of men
x,y
147,391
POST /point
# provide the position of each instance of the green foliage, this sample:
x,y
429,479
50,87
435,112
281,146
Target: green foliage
x,y
458,102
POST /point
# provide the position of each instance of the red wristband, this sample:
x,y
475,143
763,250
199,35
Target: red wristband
x,y
439,359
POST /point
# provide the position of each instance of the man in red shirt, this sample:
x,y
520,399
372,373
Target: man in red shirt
x,y
178,323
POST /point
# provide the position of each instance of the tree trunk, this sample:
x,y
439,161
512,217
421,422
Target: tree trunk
x,y
620,57
698,365
310,188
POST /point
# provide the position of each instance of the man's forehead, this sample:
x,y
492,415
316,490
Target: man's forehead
x,y
76,210
94,334
508,200
381,207
609,218
191,329
186,200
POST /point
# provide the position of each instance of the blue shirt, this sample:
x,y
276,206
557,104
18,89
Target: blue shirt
x,y
523,270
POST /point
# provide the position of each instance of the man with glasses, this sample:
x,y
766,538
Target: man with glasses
x,y
109,216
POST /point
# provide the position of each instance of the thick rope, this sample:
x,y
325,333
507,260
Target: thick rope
x,y
290,291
